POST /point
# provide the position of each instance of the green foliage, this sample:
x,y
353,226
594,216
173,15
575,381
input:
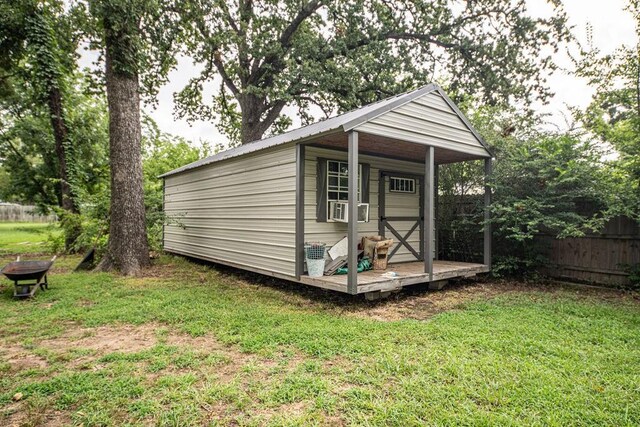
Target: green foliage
x,y
613,116
338,55
42,80
544,185
94,220
51,48
634,275
55,242
28,145
549,184
162,152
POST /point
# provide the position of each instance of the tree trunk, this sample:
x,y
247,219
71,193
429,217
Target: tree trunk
x,y
128,248
61,134
249,131
257,116
252,128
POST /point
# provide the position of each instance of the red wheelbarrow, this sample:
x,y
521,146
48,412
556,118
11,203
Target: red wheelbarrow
x,y
24,271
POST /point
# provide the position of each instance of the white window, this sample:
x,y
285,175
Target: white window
x,y
402,185
338,182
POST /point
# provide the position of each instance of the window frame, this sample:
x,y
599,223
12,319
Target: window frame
x,y
322,186
339,190
404,180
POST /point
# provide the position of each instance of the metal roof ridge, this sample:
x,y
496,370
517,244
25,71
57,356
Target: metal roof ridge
x,y
387,104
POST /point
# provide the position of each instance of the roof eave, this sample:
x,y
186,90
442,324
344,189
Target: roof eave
x,y
391,106
410,97
465,120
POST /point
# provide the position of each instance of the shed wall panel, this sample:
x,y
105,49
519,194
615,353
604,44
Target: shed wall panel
x,y
240,211
426,120
332,232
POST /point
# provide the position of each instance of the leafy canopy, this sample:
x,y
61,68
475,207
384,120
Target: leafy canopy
x,y
336,55
613,117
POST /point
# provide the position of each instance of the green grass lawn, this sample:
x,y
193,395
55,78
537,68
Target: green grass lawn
x,y
189,344
25,237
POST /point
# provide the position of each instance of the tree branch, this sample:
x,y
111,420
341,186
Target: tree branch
x,y
217,61
316,103
306,11
215,58
275,59
230,21
272,114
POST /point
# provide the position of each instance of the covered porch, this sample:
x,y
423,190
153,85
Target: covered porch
x,y
417,134
407,273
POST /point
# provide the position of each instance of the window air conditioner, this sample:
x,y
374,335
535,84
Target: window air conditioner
x,y
339,211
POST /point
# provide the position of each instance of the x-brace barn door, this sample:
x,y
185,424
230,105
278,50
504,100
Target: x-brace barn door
x,y
400,214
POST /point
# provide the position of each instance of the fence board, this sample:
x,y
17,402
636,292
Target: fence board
x,y
10,212
595,258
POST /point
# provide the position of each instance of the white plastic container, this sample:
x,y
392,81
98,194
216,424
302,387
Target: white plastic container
x,y
315,267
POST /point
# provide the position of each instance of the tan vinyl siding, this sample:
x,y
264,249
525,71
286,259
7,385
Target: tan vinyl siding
x,y
239,211
426,120
331,232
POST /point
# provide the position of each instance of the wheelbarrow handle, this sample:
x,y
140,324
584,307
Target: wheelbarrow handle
x,y
54,258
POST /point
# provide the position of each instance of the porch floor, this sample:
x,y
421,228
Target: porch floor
x,y
409,273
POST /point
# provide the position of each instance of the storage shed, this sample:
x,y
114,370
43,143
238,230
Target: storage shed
x,y
254,206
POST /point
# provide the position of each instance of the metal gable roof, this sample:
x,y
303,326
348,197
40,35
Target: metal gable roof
x,y
346,121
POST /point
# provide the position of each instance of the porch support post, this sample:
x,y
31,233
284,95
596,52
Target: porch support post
x,y
352,233
436,183
429,173
299,239
487,213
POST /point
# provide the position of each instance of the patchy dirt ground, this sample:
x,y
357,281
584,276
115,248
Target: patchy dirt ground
x,y
413,302
81,348
419,303
237,379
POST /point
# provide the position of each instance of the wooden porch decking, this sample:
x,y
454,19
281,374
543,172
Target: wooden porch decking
x,y
409,273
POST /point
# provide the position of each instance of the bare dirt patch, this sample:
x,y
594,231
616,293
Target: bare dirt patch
x,y
105,339
93,343
20,358
419,303
25,413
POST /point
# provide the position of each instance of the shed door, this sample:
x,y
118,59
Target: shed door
x,y
400,214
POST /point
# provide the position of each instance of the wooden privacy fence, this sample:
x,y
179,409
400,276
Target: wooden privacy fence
x,y
602,258
11,212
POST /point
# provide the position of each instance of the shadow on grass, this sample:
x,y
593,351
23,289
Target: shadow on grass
x,y
462,288
325,296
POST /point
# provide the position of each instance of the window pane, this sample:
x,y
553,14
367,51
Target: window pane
x,y
338,181
402,185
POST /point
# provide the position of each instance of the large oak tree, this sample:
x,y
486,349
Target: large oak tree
x,y
338,55
137,56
